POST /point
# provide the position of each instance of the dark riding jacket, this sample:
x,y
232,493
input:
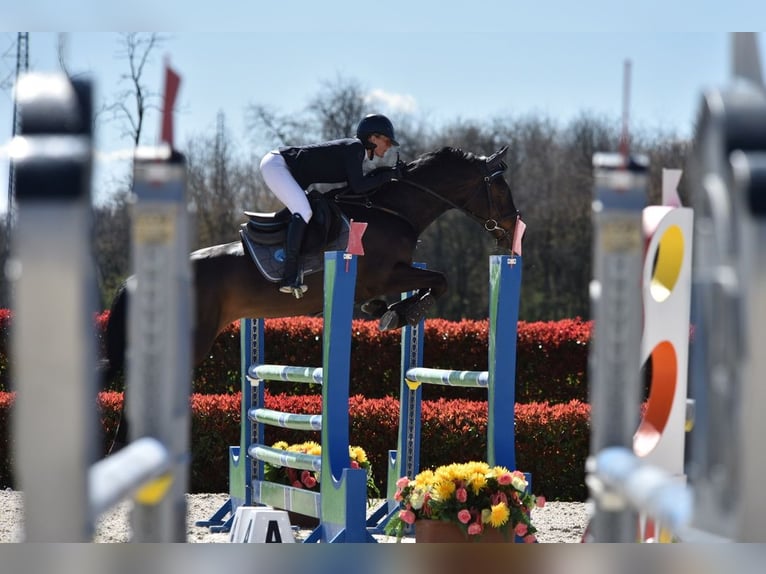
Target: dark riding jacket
x,y
333,161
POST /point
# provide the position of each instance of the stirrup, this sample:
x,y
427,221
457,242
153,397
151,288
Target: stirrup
x,y
297,290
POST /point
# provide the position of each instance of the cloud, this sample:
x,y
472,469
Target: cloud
x,y
403,103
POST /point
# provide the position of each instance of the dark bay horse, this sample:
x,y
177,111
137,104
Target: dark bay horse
x,y
228,286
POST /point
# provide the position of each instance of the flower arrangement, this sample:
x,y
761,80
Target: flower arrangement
x,y
309,480
473,495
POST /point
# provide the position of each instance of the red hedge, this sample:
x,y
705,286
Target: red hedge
x,y
552,357
551,440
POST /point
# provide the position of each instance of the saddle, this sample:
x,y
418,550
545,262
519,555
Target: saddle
x,y
263,236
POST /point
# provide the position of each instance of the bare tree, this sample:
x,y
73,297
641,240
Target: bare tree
x,y
221,184
135,98
338,107
332,113
111,245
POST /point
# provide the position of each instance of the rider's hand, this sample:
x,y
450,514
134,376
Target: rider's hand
x,y
399,169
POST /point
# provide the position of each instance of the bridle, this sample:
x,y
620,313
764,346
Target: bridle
x,y
491,224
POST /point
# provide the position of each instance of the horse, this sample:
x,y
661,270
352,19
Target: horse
x,y
229,286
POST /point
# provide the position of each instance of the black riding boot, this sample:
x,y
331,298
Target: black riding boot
x,y
291,280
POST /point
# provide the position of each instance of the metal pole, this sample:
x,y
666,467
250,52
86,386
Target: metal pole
x,y
55,292
614,362
160,329
728,181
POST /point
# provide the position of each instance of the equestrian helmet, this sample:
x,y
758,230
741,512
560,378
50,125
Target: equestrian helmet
x,y
376,124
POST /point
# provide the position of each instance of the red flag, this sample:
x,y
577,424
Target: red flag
x,y
172,82
518,233
355,238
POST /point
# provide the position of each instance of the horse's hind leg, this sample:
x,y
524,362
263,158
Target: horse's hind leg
x,y
116,342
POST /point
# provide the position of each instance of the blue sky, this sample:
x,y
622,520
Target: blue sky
x,y
435,62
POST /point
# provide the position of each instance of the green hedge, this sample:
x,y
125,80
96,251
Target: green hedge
x,y
551,440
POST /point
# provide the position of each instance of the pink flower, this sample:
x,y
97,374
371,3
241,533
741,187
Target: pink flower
x,y
461,494
354,464
402,482
474,528
464,516
540,501
530,539
297,484
505,478
521,529
499,497
310,481
407,516
398,496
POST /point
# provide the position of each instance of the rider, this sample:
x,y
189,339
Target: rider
x,y
289,171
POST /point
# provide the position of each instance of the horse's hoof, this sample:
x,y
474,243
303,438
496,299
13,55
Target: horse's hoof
x,y
374,308
417,310
390,320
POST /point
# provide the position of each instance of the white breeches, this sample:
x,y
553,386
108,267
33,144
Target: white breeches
x,y
282,184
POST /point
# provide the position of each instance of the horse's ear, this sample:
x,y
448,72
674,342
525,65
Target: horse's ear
x,y
495,161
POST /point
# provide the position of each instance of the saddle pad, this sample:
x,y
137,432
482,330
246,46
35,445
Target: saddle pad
x,y
270,258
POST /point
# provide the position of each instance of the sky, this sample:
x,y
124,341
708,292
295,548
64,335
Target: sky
x,y
429,59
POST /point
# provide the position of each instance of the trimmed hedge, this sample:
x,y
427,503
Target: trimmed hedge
x,y
551,440
552,357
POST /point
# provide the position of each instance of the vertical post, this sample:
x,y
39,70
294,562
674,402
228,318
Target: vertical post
x,y
614,362
160,328
729,310
405,460
243,469
750,188
53,344
504,294
340,486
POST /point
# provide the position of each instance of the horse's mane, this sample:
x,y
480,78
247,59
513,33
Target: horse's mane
x,y
443,157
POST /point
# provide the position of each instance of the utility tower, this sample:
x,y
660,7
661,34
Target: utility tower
x,y
22,66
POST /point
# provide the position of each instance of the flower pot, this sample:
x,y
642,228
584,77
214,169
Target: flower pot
x,y
449,532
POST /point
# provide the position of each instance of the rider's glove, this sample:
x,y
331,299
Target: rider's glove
x,y
400,169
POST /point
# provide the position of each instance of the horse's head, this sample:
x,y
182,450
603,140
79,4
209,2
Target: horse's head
x,y
472,184
458,180
501,213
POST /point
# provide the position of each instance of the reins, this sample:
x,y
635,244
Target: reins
x,y
489,225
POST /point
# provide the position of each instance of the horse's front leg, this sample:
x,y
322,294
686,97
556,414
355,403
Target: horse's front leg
x,y
428,286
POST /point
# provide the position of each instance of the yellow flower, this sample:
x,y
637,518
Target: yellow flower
x,y
499,515
424,479
443,489
357,453
477,482
309,447
282,445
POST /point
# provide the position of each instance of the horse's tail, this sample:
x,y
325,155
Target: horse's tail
x,y
113,366
116,335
